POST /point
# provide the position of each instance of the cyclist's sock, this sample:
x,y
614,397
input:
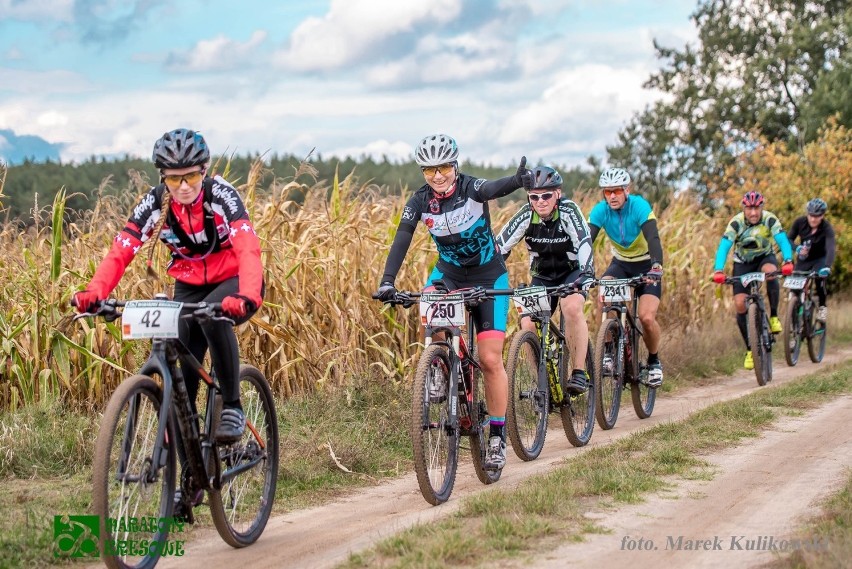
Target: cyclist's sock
x,y
496,428
577,370
821,292
741,323
653,359
774,290
232,405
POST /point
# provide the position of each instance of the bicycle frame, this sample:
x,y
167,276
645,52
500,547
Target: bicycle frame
x,y
548,333
629,330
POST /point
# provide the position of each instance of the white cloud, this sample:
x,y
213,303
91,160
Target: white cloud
x,y
36,10
57,81
218,54
377,149
352,28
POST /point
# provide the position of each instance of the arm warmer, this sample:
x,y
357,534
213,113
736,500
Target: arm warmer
x,y
784,244
722,253
593,232
398,250
652,236
830,246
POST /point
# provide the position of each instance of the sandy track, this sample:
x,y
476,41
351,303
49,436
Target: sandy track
x,y
326,535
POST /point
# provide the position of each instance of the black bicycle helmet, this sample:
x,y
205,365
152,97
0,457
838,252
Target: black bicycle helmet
x,y
817,206
181,148
546,177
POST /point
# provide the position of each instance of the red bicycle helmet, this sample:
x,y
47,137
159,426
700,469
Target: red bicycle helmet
x,y
753,199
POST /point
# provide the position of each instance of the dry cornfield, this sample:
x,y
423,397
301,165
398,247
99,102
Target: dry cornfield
x,y
323,259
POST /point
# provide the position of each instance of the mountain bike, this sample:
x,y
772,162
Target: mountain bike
x,y
760,338
621,355
538,367
800,321
145,420
448,396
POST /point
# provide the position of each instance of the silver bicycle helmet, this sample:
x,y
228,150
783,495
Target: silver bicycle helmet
x,y
181,148
614,178
435,150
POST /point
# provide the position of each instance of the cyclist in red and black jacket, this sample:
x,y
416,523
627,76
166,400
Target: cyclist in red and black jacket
x,y
215,258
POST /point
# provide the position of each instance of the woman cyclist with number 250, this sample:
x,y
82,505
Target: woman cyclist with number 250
x,y
215,258
454,207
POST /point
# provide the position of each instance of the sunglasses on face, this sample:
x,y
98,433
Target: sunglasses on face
x,y
173,181
545,196
613,191
444,169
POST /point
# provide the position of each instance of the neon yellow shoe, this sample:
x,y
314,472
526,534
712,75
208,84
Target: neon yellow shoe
x,y
749,361
775,325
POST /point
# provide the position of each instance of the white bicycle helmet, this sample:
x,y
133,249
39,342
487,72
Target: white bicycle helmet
x,y
435,150
614,178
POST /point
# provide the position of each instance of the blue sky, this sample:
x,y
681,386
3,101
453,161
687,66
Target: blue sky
x,y
552,79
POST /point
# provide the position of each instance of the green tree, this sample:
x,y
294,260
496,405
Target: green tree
x,y
771,66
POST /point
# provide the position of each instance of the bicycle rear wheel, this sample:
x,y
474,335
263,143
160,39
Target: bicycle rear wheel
x,y
434,439
793,330
249,467
609,372
479,438
578,411
816,337
526,417
642,395
123,487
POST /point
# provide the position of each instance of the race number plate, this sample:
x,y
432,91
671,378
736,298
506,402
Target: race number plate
x,y
615,291
531,299
142,319
442,310
748,278
796,283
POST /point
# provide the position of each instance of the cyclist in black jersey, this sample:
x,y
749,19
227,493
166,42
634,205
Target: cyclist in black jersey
x,y
454,207
560,250
816,248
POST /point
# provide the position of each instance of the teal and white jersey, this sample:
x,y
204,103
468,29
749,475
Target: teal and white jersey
x,y
624,227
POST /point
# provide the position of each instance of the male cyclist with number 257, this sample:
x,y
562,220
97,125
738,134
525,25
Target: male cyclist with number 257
x,y
749,234
560,250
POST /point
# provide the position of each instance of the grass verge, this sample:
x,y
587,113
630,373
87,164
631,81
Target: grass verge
x,y
503,525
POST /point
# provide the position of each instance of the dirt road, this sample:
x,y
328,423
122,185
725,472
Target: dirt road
x,y
762,487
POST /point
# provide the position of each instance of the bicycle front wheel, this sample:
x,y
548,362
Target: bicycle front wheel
x,y
642,395
816,337
793,330
249,467
755,341
124,487
609,372
526,419
578,412
435,439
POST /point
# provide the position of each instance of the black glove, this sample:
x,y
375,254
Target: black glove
x,y
524,178
386,292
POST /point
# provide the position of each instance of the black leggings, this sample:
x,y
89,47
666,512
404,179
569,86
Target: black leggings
x,y
219,336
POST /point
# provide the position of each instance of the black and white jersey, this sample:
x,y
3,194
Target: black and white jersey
x,y
556,246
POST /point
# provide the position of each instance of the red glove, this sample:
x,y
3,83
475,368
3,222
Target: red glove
x,y
234,306
86,301
787,268
719,277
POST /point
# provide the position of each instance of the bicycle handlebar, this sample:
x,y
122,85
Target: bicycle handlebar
x,y
732,280
201,311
